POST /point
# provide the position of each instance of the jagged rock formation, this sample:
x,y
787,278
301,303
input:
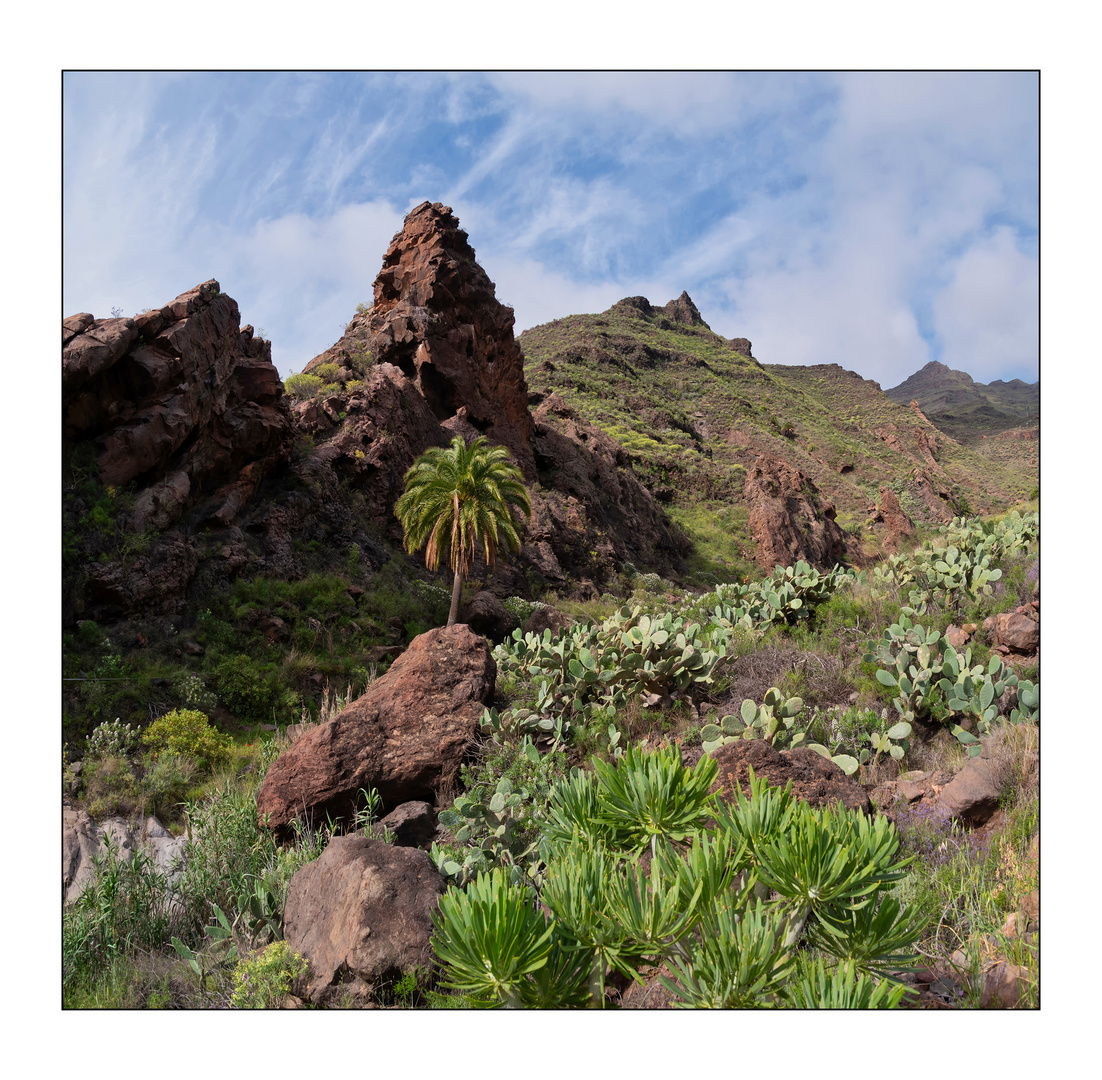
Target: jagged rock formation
x,y
180,405
436,318
181,399
891,516
681,311
788,519
445,345
684,311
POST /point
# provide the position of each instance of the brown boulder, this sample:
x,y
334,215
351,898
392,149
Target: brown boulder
x,y
1004,986
412,824
740,345
1018,632
485,614
405,736
361,914
973,794
547,617
815,779
787,518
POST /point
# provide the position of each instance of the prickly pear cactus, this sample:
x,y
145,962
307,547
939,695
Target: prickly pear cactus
x,y
774,720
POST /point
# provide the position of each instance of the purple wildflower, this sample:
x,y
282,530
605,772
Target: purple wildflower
x,y
931,833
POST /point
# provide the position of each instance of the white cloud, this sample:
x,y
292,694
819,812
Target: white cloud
x,y
539,295
988,315
301,277
816,214
692,102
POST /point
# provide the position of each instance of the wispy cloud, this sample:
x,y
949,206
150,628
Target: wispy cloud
x,y
855,219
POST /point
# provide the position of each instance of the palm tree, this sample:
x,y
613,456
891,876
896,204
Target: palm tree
x,y
457,499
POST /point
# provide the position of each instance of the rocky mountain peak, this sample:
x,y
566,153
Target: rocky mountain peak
x,y
684,311
437,318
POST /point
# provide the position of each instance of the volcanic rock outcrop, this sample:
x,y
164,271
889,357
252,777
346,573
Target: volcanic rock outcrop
x,y
182,408
444,345
787,518
436,318
892,517
181,399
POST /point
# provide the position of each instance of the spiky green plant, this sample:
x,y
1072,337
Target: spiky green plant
x,y
457,500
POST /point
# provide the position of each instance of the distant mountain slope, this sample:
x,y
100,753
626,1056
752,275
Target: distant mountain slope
x,y
699,418
965,409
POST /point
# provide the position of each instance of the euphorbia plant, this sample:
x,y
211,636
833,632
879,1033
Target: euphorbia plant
x,y
698,906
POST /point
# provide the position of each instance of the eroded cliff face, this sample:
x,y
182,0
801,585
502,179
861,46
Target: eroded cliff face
x,y
220,476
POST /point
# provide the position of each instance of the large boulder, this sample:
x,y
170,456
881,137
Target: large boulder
x,y
973,794
815,779
406,736
1019,631
361,915
485,614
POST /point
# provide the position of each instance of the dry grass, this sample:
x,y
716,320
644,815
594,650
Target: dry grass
x,y
1013,749
818,678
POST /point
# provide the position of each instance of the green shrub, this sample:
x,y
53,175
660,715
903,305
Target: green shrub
x,y
166,782
127,904
326,372
302,387
88,633
110,786
249,687
193,692
698,907
187,732
262,981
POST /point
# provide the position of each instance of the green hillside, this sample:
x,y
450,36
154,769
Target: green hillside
x,y
693,413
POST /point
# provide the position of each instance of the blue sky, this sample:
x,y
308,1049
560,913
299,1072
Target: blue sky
x,y
876,221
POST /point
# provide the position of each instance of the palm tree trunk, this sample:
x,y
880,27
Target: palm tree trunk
x,y
457,592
